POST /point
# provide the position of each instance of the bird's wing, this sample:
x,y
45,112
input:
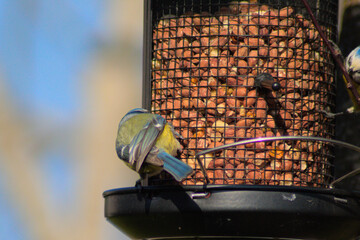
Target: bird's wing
x,y
145,140
123,152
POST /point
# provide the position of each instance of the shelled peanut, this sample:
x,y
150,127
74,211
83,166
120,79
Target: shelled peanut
x,y
203,73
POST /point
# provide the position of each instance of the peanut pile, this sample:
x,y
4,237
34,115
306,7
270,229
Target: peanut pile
x,y
203,72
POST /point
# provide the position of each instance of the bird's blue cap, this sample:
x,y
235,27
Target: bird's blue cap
x,y
358,51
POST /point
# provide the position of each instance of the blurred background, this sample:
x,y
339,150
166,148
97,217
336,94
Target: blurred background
x,y
69,70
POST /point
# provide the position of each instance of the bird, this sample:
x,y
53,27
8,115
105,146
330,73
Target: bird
x,y
265,81
147,144
265,85
352,66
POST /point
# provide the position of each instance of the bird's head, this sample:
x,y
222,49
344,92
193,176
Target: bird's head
x,y
352,64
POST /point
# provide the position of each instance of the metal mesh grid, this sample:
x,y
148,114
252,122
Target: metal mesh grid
x,y
206,56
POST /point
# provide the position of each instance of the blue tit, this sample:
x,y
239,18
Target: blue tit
x,y
147,144
352,66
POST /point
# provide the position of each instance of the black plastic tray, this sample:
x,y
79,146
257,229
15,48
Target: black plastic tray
x,y
236,212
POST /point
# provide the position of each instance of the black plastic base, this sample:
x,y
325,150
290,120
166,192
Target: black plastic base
x,y
236,212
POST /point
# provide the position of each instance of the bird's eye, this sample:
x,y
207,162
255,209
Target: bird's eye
x,y
276,86
349,62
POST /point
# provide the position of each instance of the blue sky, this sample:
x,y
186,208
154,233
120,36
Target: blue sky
x,y
9,220
43,47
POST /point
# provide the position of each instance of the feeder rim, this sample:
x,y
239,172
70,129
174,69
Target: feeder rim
x,y
209,188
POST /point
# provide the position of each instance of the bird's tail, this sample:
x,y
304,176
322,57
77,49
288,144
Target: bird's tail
x,y
174,166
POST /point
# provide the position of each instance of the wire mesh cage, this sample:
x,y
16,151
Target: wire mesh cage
x,y
210,69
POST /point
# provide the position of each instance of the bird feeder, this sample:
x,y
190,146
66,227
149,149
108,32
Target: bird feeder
x,y
248,85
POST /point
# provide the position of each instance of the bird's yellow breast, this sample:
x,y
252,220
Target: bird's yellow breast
x,y
167,141
352,97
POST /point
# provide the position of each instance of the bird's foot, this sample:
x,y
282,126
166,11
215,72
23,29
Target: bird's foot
x,y
331,115
138,183
350,110
143,181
